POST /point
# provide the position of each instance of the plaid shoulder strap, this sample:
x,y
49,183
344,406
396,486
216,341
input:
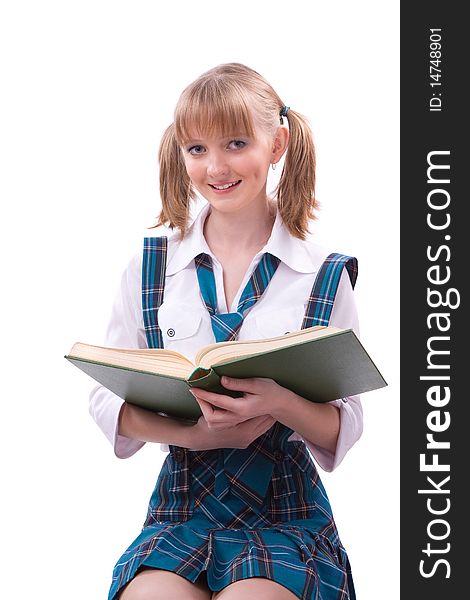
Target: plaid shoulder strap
x,y
153,286
322,296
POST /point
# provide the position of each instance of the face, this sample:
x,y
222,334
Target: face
x,y
230,172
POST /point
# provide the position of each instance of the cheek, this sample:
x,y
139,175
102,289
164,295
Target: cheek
x,y
255,168
261,172
192,170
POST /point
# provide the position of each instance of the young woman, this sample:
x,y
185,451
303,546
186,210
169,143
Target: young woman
x,y
238,510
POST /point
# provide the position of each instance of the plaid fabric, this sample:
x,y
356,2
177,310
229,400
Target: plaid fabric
x,y
273,521
227,325
322,296
153,285
276,522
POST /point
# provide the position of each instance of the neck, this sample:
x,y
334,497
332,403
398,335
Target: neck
x,y
243,231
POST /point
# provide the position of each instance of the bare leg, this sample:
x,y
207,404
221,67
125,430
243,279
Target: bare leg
x,y
157,584
255,587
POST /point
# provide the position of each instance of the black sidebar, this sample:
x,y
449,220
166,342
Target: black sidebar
x,y
435,316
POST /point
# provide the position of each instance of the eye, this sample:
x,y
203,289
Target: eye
x,y
237,144
196,149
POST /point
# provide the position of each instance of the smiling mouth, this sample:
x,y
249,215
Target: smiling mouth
x,y
225,186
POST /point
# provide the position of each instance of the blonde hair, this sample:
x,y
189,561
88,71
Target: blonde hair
x,y
223,101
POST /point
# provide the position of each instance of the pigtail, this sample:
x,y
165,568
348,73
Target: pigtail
x,y
224,100
175,186
296,189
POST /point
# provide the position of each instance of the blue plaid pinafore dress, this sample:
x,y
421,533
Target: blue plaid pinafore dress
x,y
231,514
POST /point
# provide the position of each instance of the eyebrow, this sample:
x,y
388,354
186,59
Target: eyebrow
x,y
222,137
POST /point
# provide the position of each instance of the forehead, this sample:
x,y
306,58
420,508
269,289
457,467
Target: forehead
x,y
196,134
215,133
213,120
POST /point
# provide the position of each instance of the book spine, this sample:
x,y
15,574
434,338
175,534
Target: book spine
x,y
209,380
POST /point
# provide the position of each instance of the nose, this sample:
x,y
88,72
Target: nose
x,y
217,165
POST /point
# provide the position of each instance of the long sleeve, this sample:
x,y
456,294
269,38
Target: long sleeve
x,y
344,315
125,330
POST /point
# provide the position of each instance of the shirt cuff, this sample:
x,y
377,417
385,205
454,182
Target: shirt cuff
x,y
105,408
350,431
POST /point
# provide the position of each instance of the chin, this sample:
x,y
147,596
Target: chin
x,y
228,205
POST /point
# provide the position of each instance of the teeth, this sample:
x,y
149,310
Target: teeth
x,y
224,187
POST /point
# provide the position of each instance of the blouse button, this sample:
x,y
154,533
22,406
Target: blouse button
x,y
179,455
278,456
170,332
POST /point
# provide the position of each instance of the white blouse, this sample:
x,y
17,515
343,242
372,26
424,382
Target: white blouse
x,y
186,324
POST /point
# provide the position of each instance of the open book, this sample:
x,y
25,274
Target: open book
x,y
318,363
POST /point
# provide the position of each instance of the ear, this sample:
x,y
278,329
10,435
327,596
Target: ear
x,y
280,142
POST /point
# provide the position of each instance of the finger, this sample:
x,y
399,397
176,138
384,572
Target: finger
x,y
205,395
201,399
264,423
252,422
217,415
217,418
221,426
249,385
268,422
218,400
206,409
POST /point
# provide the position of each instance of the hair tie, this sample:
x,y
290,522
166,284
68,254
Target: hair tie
x,y
284,110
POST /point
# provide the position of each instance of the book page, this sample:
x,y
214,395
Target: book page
x,y
217,353
159,360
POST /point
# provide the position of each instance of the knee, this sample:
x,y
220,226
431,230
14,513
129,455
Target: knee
x,y
141,587
156,584
254,587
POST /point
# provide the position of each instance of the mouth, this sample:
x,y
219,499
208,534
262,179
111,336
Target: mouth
x,y
222,187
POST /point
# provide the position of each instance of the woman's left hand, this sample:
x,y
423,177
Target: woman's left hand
x,y
260,397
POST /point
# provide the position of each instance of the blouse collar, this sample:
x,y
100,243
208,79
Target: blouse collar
x,y
297,254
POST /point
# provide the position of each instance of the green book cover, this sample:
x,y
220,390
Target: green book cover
x,y
320,370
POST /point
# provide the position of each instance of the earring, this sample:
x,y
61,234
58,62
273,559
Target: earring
x,y
273,166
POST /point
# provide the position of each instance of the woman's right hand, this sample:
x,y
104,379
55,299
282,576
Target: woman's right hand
x,y
201,437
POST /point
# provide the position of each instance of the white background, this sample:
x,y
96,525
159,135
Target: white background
x,y
88,88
